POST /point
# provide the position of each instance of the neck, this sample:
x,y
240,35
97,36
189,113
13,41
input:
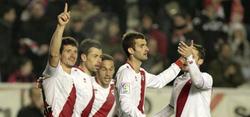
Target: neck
x,y
101,84
83,67
134,63
66,68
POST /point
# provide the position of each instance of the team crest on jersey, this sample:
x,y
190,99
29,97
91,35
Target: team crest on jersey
x,y
125,88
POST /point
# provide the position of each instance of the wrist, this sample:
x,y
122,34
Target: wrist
x,y
60,26
190,57
179,63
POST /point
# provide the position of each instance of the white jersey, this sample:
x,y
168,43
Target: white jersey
x,y
85,93
68,94
59,90
104,104
131,87
191,94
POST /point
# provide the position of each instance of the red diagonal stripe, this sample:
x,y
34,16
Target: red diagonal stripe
x,y
68,107
182,98
143,80
87,110
107,106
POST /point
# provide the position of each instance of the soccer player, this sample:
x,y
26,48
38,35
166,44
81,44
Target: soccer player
x,y
191,93
132,80
59,88
69,91
90,53
104,104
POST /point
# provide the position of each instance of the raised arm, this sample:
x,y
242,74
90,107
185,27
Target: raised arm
x,y
165,77
56,40
200,80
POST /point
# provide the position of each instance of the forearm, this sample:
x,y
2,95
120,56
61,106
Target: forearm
x,y
163,78
55,45
56,41
196,75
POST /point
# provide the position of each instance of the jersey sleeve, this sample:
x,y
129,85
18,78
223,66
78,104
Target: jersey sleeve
x,y
199,79
50,71
165,77
124,88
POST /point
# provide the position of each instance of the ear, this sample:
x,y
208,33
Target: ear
x,y
83,57
200,61
131,51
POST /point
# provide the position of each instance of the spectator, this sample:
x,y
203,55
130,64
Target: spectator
x,y
225,71
23,73
35,34
34,109
183,31
212,28
240,48
151,29
76,27
7,18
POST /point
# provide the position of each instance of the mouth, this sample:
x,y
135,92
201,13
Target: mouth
x,y
72,59
107,80
97,66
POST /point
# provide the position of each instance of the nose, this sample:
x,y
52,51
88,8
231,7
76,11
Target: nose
x,y
109,73
99,61
147,49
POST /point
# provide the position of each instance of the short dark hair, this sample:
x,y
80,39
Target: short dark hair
x,y
128,40
201,50
107,57
68,41
86,44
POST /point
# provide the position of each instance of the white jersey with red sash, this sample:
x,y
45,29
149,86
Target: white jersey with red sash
x,y
190,96
60,91
131,87
104,104
85,93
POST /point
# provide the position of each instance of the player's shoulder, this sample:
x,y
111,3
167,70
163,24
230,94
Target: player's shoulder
x,y
124,69
124,73
77,71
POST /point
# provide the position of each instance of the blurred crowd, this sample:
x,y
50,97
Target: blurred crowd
x,y
221,26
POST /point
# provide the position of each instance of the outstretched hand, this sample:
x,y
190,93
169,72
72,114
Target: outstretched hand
x,y
64,17
185,50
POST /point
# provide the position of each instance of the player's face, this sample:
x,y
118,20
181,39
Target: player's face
x,y
106,72
69,55
141,49
93,59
